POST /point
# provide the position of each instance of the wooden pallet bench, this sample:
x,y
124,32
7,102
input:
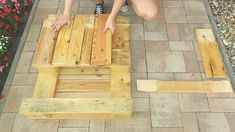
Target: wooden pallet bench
x,y
83,71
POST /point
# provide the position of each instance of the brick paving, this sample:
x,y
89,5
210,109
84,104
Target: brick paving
x,y
164,49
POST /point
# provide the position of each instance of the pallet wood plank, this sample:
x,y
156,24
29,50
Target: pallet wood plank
x,y
46,44
46,84
83,94
82,85
221,86
121,57
100,46
62,44
86,49
84,77
121,37
120,81
85,70
210,53
76,43
90,107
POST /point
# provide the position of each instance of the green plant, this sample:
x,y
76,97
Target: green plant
x,y
4,42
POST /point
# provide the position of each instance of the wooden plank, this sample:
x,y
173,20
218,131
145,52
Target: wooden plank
x,y
82,85
62,45
108,49
90,107
120,81
86,49
121,57
212,60
85,77
221,86
75,47
86,70
46,84
88,41
121,37
100,45
83,94
46,44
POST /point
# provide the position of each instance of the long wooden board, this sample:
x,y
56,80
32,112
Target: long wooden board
x,y
76,43
53,108
62,45
101,47
221,86
82,85
46,44
212,60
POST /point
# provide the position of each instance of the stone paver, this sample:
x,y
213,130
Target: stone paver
x,y
175,15
165,110
34,32
213,122
24,80
193,102
165,61
141,104
74,123
6,122
15,96
140,122
231,120
97,125
167,130
191,62
24,62
222,105
73,130
188,76
22,124
190,122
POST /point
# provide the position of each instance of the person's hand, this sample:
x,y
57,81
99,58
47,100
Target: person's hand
x,y
64,20
110,24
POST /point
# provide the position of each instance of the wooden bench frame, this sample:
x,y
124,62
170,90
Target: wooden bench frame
x,y
56,98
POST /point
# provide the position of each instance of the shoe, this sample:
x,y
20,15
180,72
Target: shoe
x,y
125,6
99,9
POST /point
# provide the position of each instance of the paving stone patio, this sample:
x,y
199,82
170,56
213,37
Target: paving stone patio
x,y
164,49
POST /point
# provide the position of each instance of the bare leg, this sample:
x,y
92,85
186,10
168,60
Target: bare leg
x,y
98,1
145,8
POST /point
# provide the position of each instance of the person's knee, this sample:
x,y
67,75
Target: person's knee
x,y
150,15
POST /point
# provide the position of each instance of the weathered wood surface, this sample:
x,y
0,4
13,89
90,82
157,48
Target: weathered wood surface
x,y
221,86
211,57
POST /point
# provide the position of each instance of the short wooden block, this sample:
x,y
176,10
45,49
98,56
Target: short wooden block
x,y
222,86
212,60
67,108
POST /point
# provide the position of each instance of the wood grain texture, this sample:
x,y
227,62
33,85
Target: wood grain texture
x,y
120,81
210,53
82,85
46,43
76,43
121,37
46,84
100,45
84,107
62,45
222,86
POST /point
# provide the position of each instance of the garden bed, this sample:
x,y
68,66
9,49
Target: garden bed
x,y
13,18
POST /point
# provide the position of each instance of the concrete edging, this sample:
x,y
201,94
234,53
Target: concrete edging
x,y
18,54
220,43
